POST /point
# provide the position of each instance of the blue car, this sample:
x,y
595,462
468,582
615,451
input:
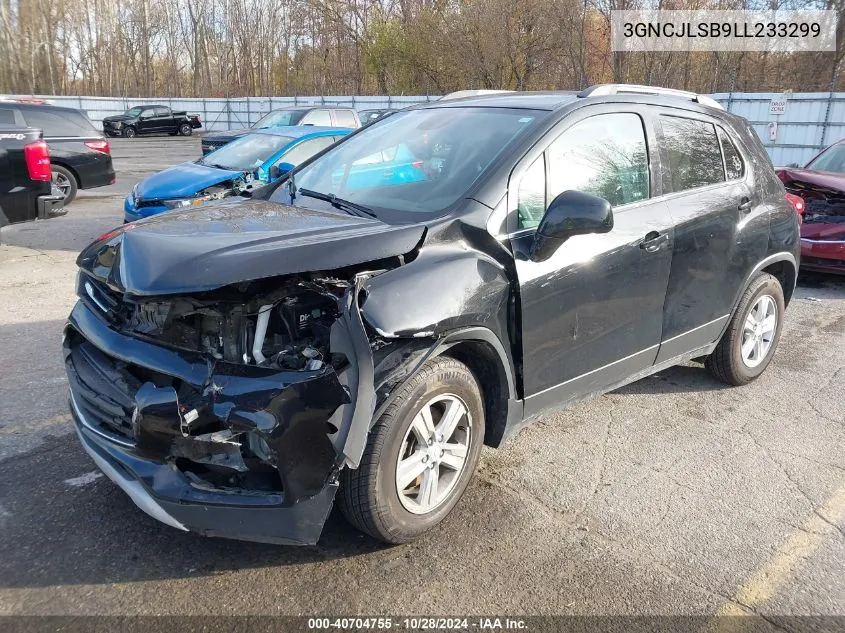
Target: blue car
x,y
248,162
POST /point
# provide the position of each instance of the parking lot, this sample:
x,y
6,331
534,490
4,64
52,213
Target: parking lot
x,y
673,495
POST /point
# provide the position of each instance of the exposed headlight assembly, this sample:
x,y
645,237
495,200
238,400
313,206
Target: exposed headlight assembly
x,y
180,203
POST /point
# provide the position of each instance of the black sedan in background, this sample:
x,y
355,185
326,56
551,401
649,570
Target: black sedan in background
x,y
79,154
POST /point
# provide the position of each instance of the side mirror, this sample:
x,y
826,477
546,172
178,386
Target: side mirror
x,y
277,171
571,213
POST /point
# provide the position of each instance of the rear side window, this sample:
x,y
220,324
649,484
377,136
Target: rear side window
x,y
54,123
318,117
604,155
7,117
692,149
734,167
162,112
345,118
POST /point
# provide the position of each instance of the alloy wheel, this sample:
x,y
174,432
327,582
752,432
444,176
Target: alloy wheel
x,y
759,331
61,184
433,453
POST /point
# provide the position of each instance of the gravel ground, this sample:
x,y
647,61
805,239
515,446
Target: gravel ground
x,y
673,495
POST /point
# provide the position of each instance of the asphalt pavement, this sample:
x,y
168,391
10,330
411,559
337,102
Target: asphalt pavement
x,y
674,495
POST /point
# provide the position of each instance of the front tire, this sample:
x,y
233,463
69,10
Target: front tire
x,y
129,132
749,343
185,129
64,182
420,456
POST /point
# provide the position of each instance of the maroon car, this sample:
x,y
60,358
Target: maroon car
x,y
821,184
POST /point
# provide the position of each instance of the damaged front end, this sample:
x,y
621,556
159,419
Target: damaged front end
x,y
228,412
823,226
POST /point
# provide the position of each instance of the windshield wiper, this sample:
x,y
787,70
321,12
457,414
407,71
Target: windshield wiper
x,y
338,203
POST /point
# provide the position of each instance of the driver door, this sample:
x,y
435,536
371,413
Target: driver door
x,y
592,313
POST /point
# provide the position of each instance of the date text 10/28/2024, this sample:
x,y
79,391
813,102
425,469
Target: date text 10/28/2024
x,y
417,624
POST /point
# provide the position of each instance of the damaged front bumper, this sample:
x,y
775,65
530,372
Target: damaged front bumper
x,y
236,451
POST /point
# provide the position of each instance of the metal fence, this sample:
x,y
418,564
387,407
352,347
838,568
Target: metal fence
x,y
225,114
812,120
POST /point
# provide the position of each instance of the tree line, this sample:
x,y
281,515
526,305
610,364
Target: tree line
x,y
231,48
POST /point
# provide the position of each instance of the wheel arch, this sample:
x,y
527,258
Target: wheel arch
x,y
60,163
481,351
786,272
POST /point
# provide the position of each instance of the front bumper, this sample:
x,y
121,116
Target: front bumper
x,y
166,495
133,213
823,255
129,397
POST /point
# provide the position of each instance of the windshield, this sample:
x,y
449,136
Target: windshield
x,y
419,161
279,118
133,112
246,153
833,159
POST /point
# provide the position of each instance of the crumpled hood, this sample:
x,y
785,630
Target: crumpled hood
x,y
239,240
828,179
181,181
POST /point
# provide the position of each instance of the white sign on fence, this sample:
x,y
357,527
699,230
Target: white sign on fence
x,y
777,105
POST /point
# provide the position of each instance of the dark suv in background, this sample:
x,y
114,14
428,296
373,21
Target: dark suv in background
x,y
80,155
430,284
319,116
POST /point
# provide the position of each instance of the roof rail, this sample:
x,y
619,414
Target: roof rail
x,y
602,90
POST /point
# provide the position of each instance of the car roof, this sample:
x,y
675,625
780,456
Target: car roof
x,y
310,106
301,131
555,100
530,100
41,106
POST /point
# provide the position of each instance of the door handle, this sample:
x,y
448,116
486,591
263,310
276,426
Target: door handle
x,y
653,240
745,205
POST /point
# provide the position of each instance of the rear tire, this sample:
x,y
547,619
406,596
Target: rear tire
x,y
185,129
65,182
748,345
129,132
442,398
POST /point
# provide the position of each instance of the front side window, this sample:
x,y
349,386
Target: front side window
x,y
692,148
604,155
832,159
246,153
413,163
531,197
305,150
734,167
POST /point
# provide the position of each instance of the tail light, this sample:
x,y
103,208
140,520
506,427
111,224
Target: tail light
x,y
100,145
38,161
797,203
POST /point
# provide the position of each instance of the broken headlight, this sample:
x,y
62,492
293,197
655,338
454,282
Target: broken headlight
x,y
185,202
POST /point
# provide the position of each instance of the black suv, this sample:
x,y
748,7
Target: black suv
x,y
425,286
321,116
79,154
